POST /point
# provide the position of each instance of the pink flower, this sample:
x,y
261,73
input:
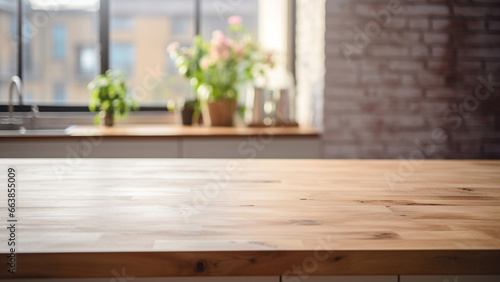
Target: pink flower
x,y
235,20
226,54
205,63
217,35
173,47
220,46
239,50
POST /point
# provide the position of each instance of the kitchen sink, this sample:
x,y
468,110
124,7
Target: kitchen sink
x,y
19,129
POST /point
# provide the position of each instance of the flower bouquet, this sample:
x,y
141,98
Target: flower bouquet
x,y
217,68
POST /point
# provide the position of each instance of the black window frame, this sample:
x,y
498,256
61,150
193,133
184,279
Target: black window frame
x,y
104,22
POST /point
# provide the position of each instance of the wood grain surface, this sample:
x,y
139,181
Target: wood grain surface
x,y
192,217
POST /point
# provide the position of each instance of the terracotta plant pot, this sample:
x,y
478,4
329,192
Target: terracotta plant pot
x,y
222,112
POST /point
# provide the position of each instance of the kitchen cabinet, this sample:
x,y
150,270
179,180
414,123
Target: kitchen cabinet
x,y
450,278
366,278
138,141
129,148
251,147
144,147
392,278
66,147
169,279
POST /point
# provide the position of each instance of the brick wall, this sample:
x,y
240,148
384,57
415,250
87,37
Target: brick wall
x,y
410,79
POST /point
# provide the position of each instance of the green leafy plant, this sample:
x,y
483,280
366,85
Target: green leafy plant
x,y
108,94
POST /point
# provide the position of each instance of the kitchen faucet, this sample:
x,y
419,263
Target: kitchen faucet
x,y
15,84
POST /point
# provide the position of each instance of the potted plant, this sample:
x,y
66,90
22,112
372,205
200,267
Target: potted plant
x,y
217,68
108,95
187,112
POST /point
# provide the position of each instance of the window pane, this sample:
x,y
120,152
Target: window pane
x,y
122,24
140,33
88,62
60,50
8,47
60,93
59,41
123,57
214,15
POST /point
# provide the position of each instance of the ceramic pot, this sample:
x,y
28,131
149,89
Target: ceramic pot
x,y
187,115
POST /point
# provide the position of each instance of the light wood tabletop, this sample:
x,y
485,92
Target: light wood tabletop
x,y
191,217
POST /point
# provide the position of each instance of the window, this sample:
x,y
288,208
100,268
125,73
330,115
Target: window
x,y
214,15
180,26
28,66
8,46
53,32
123,57
13,27
87,61
141,51
122,23
59,93
59,42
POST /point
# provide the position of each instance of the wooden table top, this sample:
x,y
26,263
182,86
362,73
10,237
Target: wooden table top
x,y
184,217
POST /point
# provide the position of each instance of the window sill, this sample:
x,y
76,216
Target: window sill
x,y
87,118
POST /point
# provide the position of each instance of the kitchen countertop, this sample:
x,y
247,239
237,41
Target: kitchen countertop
x,y
192,217
177,131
